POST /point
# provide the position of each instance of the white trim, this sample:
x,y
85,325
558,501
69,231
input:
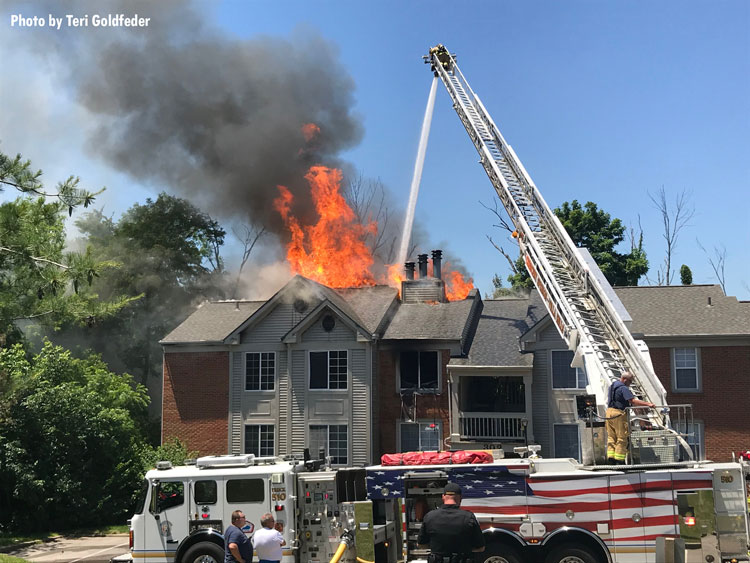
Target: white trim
x,y
259,424
698,375
328,369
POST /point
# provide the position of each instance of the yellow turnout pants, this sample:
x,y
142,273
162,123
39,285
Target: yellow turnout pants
x,y
617,434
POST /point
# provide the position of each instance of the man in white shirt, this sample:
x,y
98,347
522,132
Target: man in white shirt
x,y
268,540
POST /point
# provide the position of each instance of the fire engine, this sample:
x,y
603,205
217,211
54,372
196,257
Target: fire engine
x,y
664,506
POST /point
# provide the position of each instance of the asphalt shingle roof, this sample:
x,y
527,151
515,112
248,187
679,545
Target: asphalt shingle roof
x,y
501,324
370,303
212,322
684,310
429,321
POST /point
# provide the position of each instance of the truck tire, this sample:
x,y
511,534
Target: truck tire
x,y
498,554
570,553
203,552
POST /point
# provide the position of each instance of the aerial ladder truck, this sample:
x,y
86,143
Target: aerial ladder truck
x,y
580,301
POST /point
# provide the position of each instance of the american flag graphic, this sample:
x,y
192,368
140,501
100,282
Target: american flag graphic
x,y
602,503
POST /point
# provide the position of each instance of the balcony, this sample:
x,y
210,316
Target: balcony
x,y
492,426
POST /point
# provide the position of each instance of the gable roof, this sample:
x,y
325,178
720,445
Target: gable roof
x,y
431,321
370,303
684,310
212,322
501,324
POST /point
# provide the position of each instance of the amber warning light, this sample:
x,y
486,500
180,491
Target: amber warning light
x,y
690,520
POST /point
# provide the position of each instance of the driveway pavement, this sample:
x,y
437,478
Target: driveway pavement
x,y
91,549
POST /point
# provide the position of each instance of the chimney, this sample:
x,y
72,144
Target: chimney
x,y
409,269
422,265
437,259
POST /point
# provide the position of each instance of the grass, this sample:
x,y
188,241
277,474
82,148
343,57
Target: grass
x,y
8,559
9,539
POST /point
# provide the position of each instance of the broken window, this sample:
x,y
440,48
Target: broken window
x,y
419,370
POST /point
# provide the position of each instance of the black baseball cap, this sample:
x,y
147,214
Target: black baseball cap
x,y
452,489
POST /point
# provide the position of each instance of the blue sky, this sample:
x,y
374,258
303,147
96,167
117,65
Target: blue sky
x,y
602,101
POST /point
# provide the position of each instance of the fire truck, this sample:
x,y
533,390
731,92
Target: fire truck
x,y
530,509
664,506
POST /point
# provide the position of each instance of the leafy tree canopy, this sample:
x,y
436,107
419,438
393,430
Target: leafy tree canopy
x,y
71,440
594,229
39,279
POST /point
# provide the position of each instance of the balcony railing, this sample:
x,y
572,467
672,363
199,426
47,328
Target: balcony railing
x,y
491,425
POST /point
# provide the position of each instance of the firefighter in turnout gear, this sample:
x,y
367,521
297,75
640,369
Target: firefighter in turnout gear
x,y
620,398
452,534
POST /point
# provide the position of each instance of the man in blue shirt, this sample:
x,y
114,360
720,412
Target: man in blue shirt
x,y
620,398
237,548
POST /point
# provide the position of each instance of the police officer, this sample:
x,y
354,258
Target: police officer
x,y
452,534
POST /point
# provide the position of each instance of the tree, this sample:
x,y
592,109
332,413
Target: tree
x,y
592,228
674,219
39,279
169,256
71,440
686,275
717,262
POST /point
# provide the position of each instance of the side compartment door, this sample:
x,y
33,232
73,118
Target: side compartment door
x,y
731,511
629,543
249,494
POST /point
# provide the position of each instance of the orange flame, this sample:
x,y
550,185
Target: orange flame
x,y
456,287
310,130
332,251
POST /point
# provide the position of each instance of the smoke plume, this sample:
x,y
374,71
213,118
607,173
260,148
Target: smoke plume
x,y
217,119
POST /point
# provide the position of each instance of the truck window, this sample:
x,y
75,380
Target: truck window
x,y
171,493
245,490
205,492
140,501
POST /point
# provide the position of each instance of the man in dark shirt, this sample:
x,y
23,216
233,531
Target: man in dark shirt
x,y
452,534
620,398
237,548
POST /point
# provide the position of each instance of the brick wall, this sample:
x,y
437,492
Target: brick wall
x,y
195,405
724,403
429,407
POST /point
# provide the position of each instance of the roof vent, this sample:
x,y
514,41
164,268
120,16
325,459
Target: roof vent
x,y
328,323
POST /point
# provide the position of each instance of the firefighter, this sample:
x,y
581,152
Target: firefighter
x,y
620,398
452,534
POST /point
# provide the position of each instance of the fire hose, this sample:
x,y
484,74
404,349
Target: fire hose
x,y
347,540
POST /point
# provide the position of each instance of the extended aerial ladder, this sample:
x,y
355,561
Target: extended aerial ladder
x,y
572,288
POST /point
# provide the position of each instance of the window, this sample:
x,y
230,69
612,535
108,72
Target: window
x,y
693,434
685,375
333,439
245,490
420,436
328,369
419,370
205,491
171,493
567,443
564,376
486,393
260,371
259,439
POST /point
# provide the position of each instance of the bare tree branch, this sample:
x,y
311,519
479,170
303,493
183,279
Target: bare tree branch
x,y
674,219
501,250
249,239
717,262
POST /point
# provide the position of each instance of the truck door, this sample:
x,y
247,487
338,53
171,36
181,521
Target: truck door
x,y
731,512
206,506
169,523
249,494
628,525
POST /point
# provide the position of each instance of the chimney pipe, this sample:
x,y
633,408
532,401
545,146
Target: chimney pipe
x,y
437,259
409,269
422,265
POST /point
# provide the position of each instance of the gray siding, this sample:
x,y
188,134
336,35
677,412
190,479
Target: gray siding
x,y
273,326
340,332
540,401
298,420
282,426
360,435
235,402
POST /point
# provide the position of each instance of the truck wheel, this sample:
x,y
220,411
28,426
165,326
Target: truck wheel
x,y
498,554
204,552
569,553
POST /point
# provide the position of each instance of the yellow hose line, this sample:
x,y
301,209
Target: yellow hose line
x,y
339,552
364,560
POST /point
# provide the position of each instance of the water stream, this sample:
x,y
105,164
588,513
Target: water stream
x,y
417,177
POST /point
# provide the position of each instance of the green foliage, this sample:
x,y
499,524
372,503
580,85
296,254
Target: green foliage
x,y
686,275
173,450
592,228
499,290
72,437
39,279
168,255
